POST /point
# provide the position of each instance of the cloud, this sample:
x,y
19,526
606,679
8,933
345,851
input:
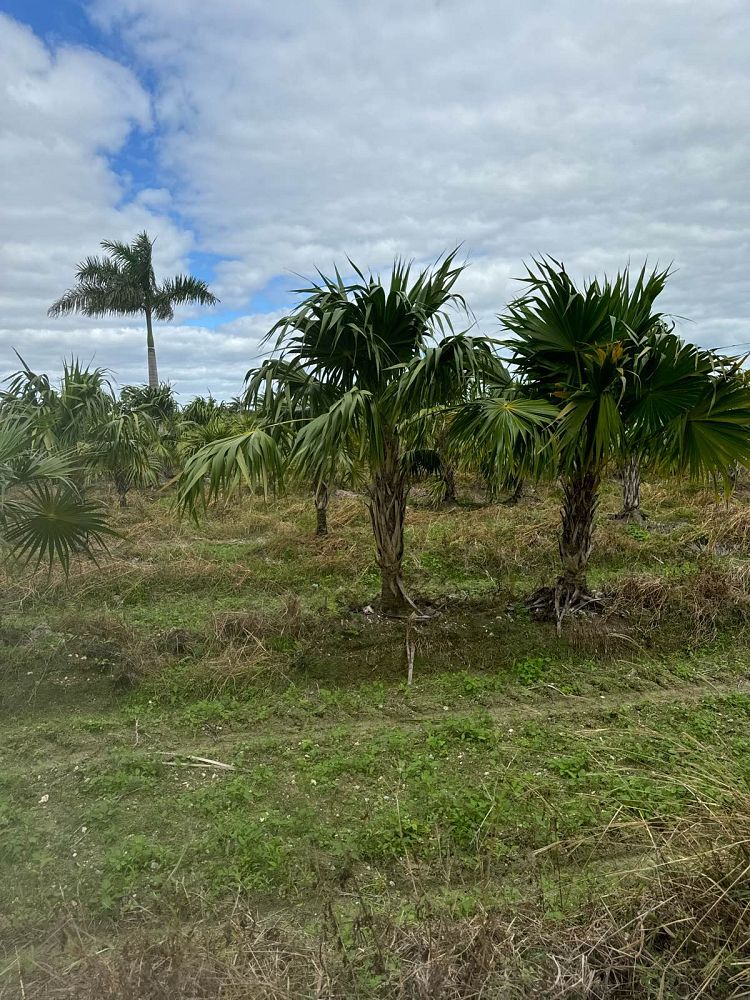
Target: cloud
x,y
598,133
65,114
288,136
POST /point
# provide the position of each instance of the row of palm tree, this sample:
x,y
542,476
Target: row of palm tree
x,y
379,383
372,377
60,438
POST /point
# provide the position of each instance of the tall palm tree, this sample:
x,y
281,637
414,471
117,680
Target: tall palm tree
x,y
122,283
624,384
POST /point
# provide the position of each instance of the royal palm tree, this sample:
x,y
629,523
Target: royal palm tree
x,y
122,283
624,384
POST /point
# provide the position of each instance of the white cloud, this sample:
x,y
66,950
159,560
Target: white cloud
x,y
64,113
293,134
594,132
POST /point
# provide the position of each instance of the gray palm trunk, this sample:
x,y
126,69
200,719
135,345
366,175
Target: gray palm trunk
x,y
449,483
516,486
153,374
121,486
631,490
320,492
387,506
580,500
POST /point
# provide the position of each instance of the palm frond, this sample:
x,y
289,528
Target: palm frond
x,y
352,424
50,522
251,458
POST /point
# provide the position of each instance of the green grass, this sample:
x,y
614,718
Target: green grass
x,y
519,770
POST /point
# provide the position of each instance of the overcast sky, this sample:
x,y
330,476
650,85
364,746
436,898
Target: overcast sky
x,y
258,140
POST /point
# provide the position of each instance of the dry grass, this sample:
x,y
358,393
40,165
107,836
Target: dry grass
x,y
255,627
727,528
704,599
680,930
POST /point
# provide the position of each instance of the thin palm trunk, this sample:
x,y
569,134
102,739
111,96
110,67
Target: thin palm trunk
x,y
580,500
631,491
516,485
121,485
153,375
321,507
449,483
387,506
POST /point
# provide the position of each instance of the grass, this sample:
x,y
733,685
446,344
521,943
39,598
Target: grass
x,y
214,779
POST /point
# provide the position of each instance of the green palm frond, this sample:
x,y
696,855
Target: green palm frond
x,y
127,446
444,372
159,403
710,437
123,283
504,431
43,516
252,459
357,333
353,424
180,290
49,522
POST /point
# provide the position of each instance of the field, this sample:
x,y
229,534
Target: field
x,y
215,780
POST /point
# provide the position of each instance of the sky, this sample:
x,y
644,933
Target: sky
x,y
261,141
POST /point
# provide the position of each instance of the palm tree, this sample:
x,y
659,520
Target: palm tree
x,y
285,396
159,403
60,417
378,356
122,283
624,384
44,516
127,449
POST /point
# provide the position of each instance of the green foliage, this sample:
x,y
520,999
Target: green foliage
x,y
44,516
622,381
122,282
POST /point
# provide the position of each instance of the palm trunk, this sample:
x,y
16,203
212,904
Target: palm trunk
x,y
321,507
153,375
516,485
387,506
122,486
631,491
580,500
449,483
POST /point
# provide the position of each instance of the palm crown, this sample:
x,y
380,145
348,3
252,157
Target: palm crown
x,y
623,383
123,283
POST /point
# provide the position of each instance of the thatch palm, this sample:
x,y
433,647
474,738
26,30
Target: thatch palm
x,y
59,417
285,396
370,351
44,517
123,283
126,448
623,384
